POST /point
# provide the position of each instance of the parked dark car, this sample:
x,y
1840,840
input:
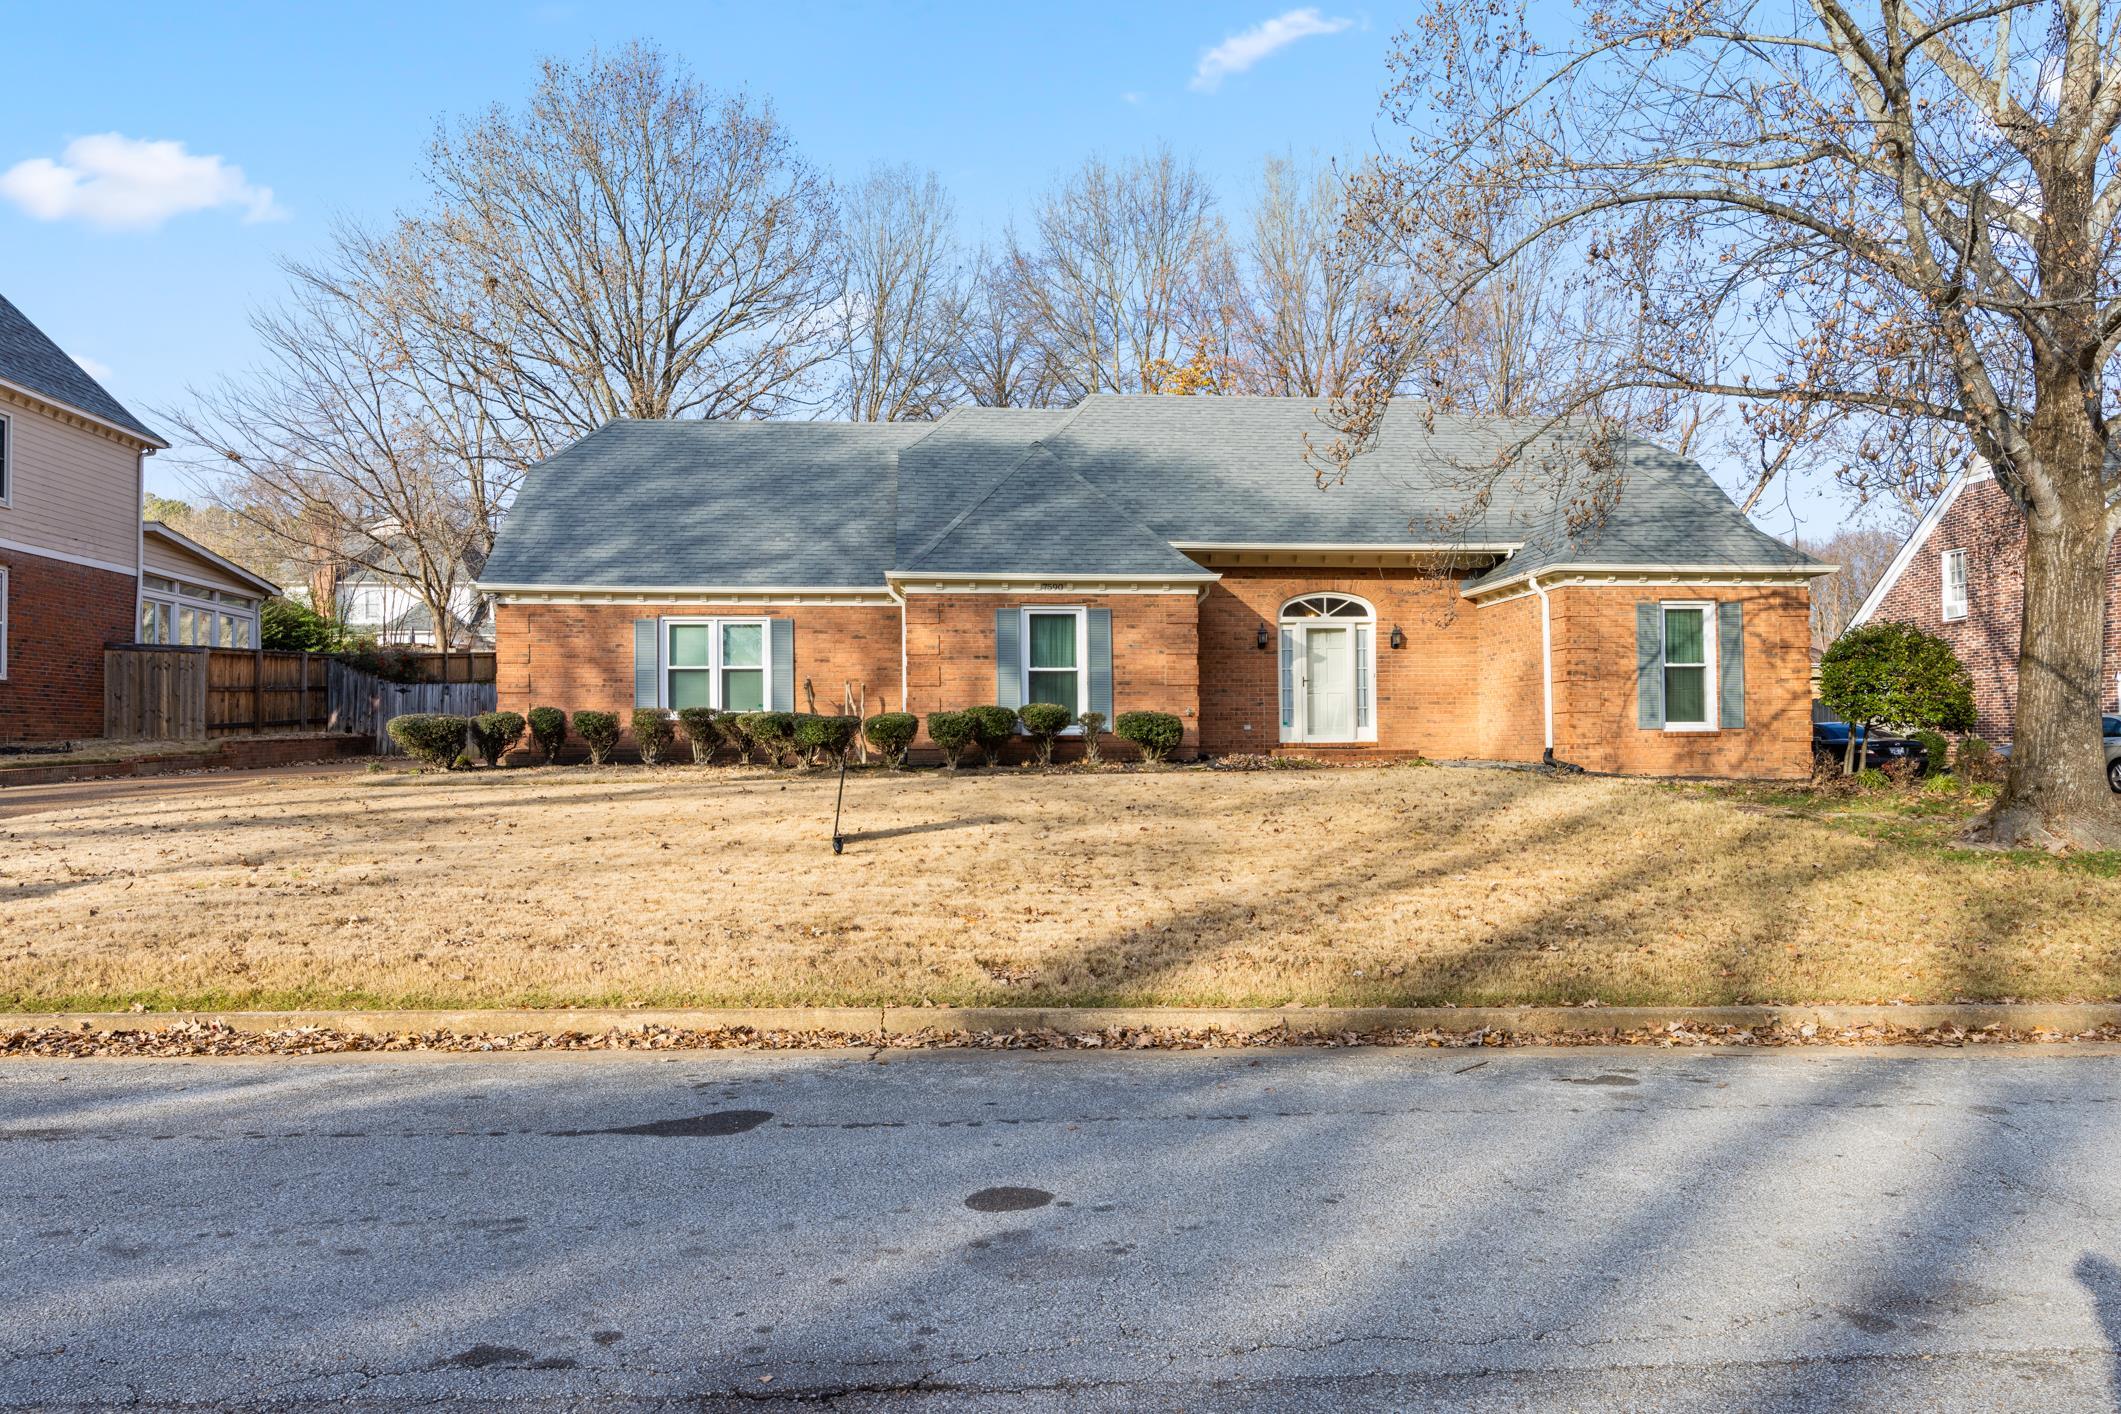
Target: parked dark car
x,y
2111,728
1830,740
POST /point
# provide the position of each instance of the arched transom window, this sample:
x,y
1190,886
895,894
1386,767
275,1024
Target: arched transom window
x,y
1326,606
1328,669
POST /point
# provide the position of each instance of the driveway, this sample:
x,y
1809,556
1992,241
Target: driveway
x,y
946,1231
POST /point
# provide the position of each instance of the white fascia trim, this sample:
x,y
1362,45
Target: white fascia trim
x,y
1924,529
131,572
1055,584
182,541
32,395
1656,574
748,596
1438,547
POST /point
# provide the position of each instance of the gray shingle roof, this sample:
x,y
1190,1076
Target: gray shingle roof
x,y
1104,489
708,504
29,359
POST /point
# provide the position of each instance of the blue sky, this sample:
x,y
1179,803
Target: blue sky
x,y
324,111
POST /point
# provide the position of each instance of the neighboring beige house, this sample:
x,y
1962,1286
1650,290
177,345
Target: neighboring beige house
x,y
195,598
71,465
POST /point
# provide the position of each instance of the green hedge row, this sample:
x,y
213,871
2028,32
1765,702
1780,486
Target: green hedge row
x,y
777,738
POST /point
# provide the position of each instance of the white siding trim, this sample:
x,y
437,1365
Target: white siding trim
x,y
7,461
131,572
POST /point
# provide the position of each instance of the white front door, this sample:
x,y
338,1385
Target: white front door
x,y
1329,683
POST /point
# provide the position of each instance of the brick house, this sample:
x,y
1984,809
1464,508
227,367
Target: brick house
x,y
1175,554
71,543
1961,575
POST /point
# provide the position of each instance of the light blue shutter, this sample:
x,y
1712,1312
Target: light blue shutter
x,y
1730,663
1100,634
1649,664
644,662
1008,660
783,699
1288,678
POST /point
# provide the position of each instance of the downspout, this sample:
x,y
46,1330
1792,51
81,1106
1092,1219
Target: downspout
x,y
1546,673
900,600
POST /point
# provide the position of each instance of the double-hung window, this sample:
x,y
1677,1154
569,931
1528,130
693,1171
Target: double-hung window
x,y
1953,575
1689,646
718,663
1054,655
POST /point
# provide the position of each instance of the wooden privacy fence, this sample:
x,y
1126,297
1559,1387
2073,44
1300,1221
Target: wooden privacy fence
x,y
157,693
364,703
165,693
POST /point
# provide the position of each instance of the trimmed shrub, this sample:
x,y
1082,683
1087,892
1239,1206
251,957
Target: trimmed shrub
x,y
1045,721
1093,725
891,733
548,728
430,738
652,733
496,732
599,732
822,735
1937,748
773,733
991,729
1895,675
952,731
703,733
1156,733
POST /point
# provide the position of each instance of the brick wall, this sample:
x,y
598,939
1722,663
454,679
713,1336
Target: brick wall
x,y
1156,662
1465,686
1984,523
60,616
1595,711
576,656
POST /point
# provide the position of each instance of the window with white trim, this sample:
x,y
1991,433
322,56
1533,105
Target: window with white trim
x,y
1689,667
1056,658
195,615
1952,575
718,663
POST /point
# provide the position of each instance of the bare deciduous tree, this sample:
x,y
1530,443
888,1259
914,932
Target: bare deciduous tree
x,y
1315,286
1122,272
1000,359
1866,228
905,300
1863,553
627,245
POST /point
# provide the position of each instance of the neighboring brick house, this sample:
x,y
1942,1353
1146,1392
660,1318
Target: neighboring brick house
x,y
1961,575
71,463
1174,554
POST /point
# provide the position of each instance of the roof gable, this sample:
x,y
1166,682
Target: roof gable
x,y
1042,518
31,361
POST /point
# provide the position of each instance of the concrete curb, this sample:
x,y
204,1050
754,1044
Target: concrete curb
x,y
2064,1018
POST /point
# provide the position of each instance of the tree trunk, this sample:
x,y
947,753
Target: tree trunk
x,y
2055,794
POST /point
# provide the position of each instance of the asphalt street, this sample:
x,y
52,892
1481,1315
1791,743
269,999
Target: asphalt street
x,y
951,1230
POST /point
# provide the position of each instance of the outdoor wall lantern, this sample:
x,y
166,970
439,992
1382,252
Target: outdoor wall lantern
x,y
1262,639
1399,640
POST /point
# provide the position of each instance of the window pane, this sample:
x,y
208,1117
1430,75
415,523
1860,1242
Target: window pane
x,y
1686,698
1057,688
744,689
743,646
147,621
689,687
187,626
242,638
689,646
1682,636
1052,642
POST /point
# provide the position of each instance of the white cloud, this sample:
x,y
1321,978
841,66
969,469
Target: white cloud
x,y
1242,50
122,183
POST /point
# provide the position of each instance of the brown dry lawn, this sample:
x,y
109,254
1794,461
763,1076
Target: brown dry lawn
x,y
716,886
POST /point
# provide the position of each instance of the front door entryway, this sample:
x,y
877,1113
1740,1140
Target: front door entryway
x,y
1327,666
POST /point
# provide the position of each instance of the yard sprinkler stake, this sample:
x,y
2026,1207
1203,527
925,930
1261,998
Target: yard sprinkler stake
x,y
839,840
